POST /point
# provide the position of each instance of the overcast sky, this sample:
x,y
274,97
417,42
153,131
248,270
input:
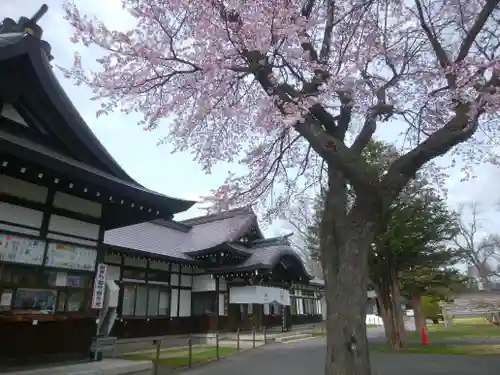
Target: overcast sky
x,y
177,175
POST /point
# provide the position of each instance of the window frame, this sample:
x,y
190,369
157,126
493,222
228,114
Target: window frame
x,y
41,282
206,293
161,288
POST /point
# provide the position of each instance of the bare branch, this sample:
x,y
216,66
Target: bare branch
x,y
479,23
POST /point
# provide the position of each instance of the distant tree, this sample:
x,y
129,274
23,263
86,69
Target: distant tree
x,y
432,279
312,233
418,224
483,253
430,308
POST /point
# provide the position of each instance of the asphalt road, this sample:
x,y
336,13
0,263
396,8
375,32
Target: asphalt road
x,y
308,358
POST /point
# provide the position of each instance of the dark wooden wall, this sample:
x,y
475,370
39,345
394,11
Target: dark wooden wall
x,y
129,328
24,343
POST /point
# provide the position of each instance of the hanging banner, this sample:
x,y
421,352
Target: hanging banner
x,y
99,286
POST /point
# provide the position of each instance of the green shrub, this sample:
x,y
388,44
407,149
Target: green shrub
x,y
431,308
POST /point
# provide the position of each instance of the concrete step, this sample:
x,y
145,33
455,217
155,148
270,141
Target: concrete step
x,y
293,337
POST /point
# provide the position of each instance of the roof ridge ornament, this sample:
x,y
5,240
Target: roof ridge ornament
x,y
29,26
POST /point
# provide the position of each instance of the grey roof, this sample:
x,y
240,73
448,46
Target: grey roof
x,y
180,239
69,127
267,253
176,239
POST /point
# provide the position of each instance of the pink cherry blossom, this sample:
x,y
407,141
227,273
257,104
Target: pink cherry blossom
x,y
241,78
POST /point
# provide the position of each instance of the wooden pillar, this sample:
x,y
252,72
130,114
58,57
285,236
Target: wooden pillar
x,y
179,281
217,297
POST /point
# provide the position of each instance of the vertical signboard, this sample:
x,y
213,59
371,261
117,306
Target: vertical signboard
x,y
99,286
283,318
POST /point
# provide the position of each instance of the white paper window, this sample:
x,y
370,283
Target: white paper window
x,y
128,301
154,293
141,300
163,302
266,309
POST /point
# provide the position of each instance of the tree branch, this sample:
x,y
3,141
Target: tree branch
x,y
479,23
436,46
327,36
460,128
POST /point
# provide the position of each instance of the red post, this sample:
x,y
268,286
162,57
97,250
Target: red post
x,y
423,334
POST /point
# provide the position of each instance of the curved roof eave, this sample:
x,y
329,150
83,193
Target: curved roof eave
x,y
283,252
13,45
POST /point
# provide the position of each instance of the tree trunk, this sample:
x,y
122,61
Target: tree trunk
x,y
420,320
387,317
485,281
344,253
398,309
391,312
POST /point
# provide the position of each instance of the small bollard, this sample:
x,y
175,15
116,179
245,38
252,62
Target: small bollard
x,y
96,349
190,350
157,357
265,336
217,345
238,340
253,338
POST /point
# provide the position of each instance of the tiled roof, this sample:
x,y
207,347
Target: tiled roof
x,y
267,253
175,239
179,239
69,129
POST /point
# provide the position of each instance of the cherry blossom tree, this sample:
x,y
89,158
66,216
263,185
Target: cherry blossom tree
x,y
294,90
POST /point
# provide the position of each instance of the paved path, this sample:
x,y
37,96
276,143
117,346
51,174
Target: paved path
x,y
308,357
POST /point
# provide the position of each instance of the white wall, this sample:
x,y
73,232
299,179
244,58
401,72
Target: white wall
x,y
174,279
20,215
21,189
73,227
221,304
112,258
173,303
259,295
135,262
67,228
323,307
186,280
159,266
76,204
113,273
203,283
185,303
206,283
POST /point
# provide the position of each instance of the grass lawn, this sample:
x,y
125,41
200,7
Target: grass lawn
x,y
180,358
461,328
482,349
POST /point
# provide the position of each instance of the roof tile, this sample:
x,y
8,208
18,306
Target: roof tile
x,y
164,238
